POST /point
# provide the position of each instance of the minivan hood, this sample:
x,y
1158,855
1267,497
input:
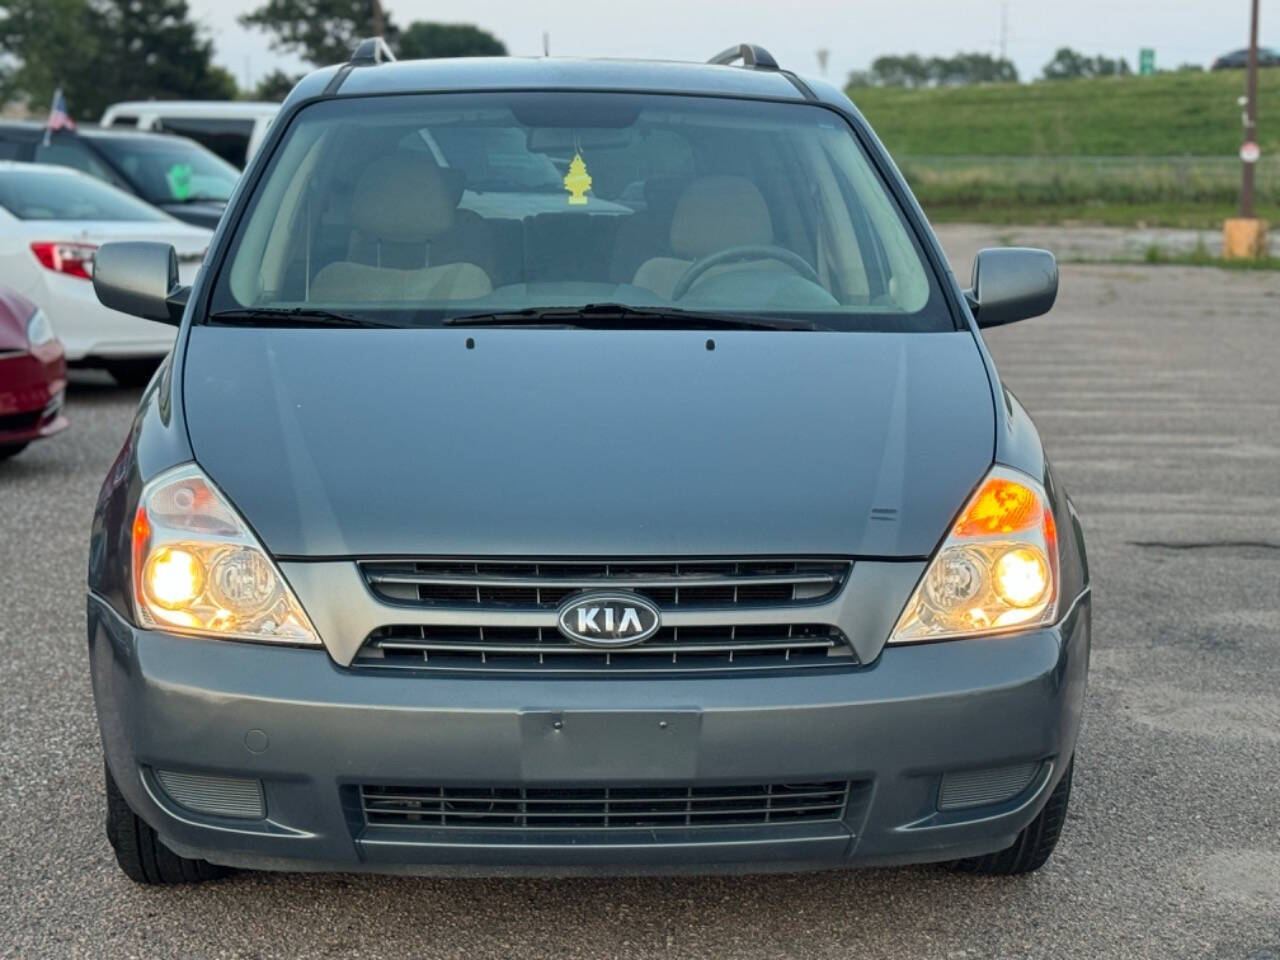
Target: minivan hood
x,y
549,442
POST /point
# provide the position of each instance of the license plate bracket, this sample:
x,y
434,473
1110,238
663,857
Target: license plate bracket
x,y
609,745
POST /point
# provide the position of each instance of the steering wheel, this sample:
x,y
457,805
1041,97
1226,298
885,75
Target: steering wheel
x,y
753,251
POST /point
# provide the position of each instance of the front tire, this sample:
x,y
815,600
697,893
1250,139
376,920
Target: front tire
x,y
140,852
1034,844
8,450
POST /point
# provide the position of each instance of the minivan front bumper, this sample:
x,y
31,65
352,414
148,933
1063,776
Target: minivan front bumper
x,y
312,732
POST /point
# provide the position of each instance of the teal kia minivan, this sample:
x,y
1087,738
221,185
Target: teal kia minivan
x,y
581,466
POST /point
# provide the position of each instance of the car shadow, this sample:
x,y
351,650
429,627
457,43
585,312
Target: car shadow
x,y
85,383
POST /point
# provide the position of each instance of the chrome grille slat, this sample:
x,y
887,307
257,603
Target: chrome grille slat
x,y
450,648
583,583
499,614
545,584
602,808
822,643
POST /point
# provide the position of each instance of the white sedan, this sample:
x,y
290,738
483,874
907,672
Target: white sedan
x,y
52,220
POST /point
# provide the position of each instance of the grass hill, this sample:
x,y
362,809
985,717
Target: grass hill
x,y
1162,116
1125,150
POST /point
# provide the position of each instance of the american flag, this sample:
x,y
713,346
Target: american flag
x,y
59,119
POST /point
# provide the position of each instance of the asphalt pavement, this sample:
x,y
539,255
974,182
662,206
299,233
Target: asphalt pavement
x,y
1156,390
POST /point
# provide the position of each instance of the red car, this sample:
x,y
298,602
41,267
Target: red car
x,y
33,375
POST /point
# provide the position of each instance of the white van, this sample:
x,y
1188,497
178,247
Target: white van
x,y
231,129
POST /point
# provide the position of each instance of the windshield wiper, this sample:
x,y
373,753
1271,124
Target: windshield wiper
x,y
293,316
605,316
195,198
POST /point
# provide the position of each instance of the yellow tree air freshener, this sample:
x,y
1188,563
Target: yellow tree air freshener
x,y
577,181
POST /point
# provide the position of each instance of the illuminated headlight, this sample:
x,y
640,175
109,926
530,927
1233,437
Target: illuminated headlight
x,y
197,568
996,571
39,330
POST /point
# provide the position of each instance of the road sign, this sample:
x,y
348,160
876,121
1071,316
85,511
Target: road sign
x,y
1250,152
1146,62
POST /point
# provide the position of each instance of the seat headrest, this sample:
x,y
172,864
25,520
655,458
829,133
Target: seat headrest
x,y
718,212
400,198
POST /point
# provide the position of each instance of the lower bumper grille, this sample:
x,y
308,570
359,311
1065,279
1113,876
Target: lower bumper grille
x,y
20,422
603,808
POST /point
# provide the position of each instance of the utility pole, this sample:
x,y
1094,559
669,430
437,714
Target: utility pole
x,y
1250,121
1245,237
377,17
1004,30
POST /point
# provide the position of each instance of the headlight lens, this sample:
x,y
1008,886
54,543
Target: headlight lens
x,y
39,330
1022,577
173,578
996,571
197,568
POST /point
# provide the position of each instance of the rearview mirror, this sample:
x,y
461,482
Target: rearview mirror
x,y
557,140
140,279
1012,283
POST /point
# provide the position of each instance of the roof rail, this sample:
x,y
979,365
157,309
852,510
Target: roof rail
x,y
753,57
370,52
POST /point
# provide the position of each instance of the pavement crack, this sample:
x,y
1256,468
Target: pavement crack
x,y
1205,545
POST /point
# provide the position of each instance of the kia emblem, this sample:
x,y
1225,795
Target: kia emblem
x,y
608,620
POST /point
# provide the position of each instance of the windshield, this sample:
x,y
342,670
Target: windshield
x,y
412,210
36,195
169,169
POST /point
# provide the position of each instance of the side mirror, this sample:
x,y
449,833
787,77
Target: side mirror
x,y
141,279
1012,283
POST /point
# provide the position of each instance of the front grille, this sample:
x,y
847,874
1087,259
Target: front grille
x,y
647,808
544,585
487,615
543,649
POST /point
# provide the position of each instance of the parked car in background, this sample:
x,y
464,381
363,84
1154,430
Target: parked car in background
x,y
1239,59
173,173
231,129
33,375
52,220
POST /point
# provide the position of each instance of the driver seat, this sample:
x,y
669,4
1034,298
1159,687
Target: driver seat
x,y
712,214
403,212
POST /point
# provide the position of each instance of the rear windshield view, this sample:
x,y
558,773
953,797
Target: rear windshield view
x,y
37,195
412,209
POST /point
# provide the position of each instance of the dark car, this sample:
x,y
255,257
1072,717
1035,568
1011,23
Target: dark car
x,y
178,175
676,521
33,375
1239,59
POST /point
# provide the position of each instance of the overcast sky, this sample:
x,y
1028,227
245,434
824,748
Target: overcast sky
x,y
854,31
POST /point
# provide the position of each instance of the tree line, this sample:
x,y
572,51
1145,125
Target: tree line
x,y
100,52
911,70
326,31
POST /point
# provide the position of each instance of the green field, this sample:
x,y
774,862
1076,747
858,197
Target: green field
x,y
1157,150
1119,191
